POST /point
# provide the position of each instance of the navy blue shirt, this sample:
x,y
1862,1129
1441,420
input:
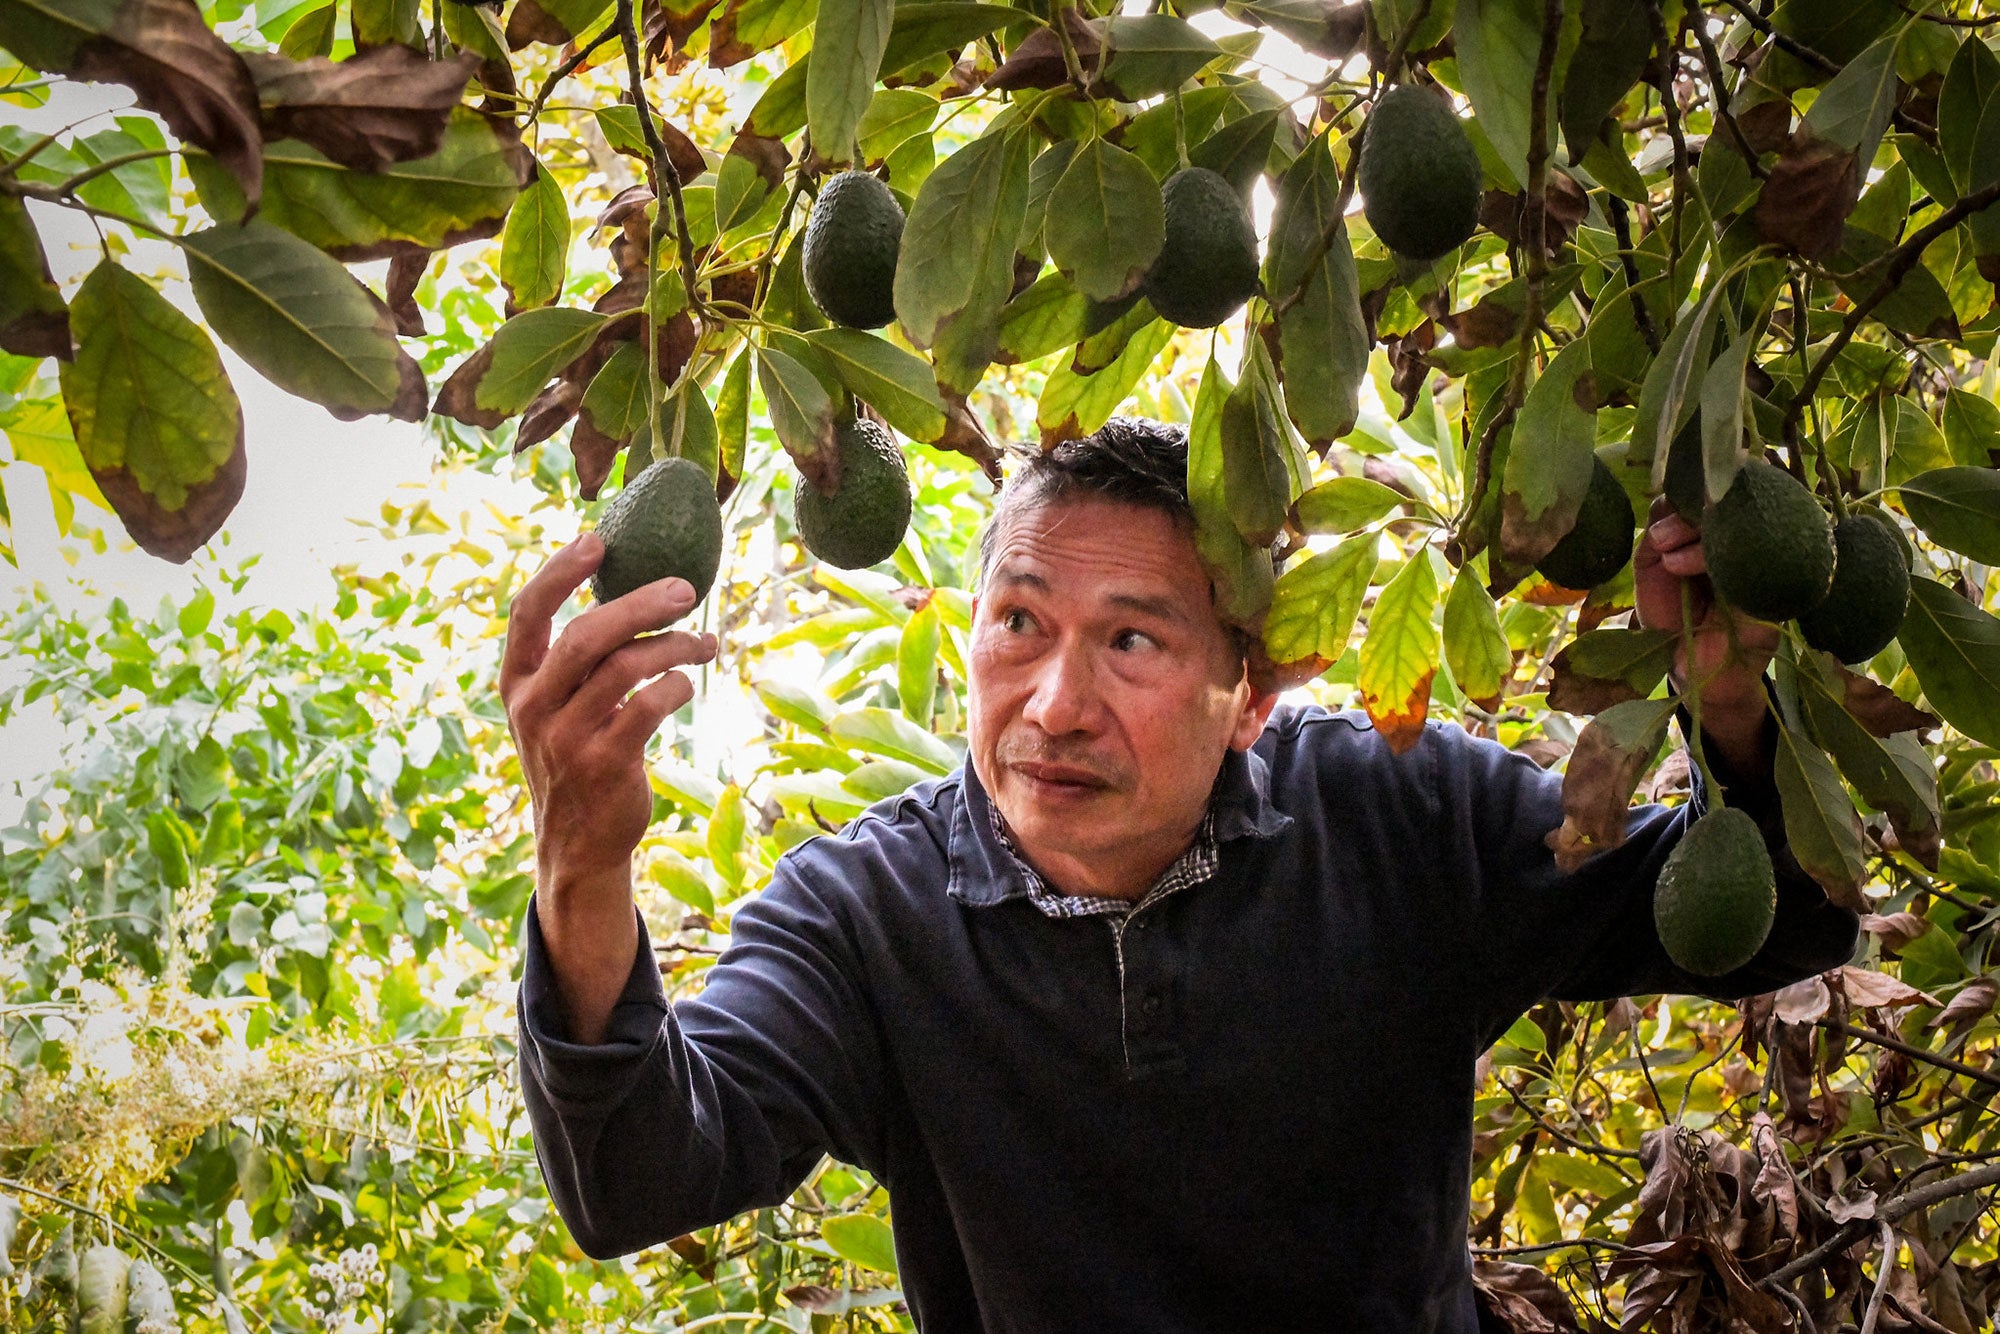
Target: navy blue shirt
x,y
1253,1110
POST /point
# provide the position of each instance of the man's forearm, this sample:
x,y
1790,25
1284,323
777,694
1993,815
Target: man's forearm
x,y
592,934
1736,737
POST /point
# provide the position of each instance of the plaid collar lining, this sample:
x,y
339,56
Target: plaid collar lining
x,y
1192,867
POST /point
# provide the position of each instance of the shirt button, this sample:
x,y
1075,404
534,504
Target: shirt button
x,y
1151,1005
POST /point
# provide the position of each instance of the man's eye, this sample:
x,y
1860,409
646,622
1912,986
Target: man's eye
x,y
1126,641
1015,621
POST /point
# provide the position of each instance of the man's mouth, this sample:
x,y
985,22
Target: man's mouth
x,y
1063,777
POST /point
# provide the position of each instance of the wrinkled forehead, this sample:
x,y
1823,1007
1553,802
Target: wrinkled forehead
x,y
1093,546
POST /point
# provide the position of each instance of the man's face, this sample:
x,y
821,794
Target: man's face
x,y
1104,691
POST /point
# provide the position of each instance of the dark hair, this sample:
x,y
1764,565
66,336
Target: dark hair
x,y
1129,459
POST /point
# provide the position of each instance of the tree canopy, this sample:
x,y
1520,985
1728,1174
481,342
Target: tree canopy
x,y
1710,241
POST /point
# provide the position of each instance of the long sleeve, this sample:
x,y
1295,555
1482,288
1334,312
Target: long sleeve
x,y
689,1114
1538,933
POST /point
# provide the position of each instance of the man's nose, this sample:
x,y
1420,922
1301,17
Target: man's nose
x,y
1064,698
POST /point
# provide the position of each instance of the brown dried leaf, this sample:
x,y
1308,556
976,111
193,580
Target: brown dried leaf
x,y
1038,61
1811,189
766,154
531,23
176,534
381,106
165,53
1775,1183
1875,706
594,453
1973,1002
1895,930
457,397
1611,755
1844,1210
1520,1299
406,270
1802,1002
667,24
549,413
1865,988
964,435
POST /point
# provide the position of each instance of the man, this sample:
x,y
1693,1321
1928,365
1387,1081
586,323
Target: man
x,y
1160,1014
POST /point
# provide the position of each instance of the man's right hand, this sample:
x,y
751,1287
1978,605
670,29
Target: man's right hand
x,y
581,711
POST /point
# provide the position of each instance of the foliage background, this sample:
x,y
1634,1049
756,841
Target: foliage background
x,y
261,912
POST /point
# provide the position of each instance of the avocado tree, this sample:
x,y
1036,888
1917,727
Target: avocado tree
x,y
1450,295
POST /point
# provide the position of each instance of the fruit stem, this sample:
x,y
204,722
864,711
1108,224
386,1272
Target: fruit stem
x,y
1691,694
1180,132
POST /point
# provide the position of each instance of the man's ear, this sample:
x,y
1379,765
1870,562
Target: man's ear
x,y
1251,715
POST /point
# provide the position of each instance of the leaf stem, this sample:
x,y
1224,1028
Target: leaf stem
x,y
569,67
84,177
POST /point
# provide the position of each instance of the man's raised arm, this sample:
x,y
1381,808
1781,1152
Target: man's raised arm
x,y
581,728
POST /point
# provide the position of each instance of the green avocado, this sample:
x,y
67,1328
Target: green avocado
x,y
863,521
851,243
1207,266
1768,544
1419,174
1717,895
665,523
1864,608
1600,542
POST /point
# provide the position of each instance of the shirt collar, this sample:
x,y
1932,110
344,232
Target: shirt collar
x,y
984,872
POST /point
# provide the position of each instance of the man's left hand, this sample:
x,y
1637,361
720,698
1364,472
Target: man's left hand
x,y
1731,650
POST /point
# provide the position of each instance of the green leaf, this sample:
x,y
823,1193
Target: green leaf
x,y
1613,46
1550,458
1954,648
925,29
1672,389
886,732
893,382
311,34
1342,504
1601,668
1971,427
798,706
380,22
782,109
1499,43
461,192
168,838
895,116
1074,404
744,27
862,1239
33,320
1722,393
1257,472
615,401
1474,645
689,425
1240,150
1852,111
523,355
1970,86
302,321
1047,316
728,831
1152,54
1893,774
1323,340
732,414
534,249
1958,508
682,879
1105,221
801,411
848,41
1399,654
957,255
1821,825
1241,573
917,663
153,412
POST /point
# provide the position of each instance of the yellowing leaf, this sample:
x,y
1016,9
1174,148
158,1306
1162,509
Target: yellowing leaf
x,y
1314,604
1399,655
1473,642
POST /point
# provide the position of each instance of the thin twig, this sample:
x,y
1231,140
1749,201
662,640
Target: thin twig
x,y
569,67
1892,1211
1787,44
1621,228
1884,1270
1972,1072
1544,1247
1581,1145
1712,59
1894,266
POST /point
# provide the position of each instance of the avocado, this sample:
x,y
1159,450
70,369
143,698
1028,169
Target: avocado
x,y
665,523
1207,266
851,243
1419,174
1864,608
1768,544
1717,895
862,522
1600,542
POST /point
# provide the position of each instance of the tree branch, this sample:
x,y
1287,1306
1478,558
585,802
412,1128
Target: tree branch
x,y
569,67
1894,265
1894,1209
1915,1053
